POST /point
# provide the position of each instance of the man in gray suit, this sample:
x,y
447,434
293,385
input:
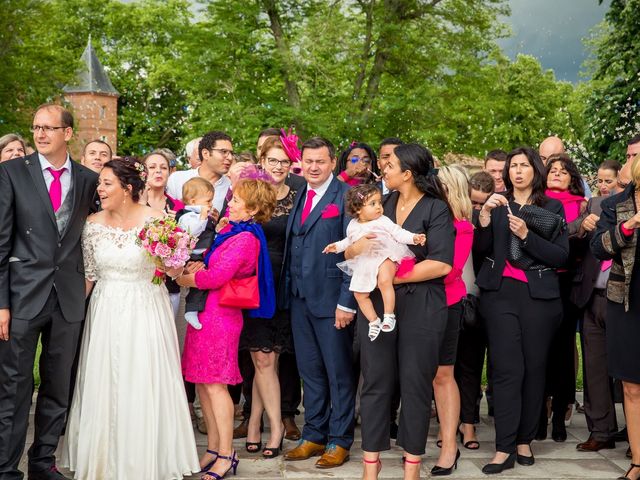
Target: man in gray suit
x,y
589,294
45,198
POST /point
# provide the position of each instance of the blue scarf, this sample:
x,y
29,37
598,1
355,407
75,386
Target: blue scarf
x,y
267,290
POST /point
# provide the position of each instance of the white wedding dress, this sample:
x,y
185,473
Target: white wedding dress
x,y
129,418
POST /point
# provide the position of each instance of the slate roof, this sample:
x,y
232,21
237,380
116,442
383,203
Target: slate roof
x,y
91,78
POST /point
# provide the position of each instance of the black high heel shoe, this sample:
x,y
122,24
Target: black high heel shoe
x,y
272,452
234,466
441,471
626,475
253,447
491,468
470,444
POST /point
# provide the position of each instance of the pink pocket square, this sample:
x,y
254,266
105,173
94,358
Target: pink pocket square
x,y
331,211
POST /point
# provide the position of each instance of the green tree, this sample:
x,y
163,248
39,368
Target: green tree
x,y
136,42
34,65
613,103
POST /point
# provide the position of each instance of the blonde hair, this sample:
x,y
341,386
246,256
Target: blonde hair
x,y
456,181
194,187
635,170
257,194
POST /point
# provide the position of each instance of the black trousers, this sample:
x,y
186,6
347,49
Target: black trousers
x,y
561,370
472,344
59,344
599,407
519,330
290,388
408,355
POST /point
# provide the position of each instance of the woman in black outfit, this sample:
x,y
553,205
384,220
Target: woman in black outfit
x,y
522,308
616,239
268,338
410,353
564,184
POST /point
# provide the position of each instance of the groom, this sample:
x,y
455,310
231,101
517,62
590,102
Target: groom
x,y
322,307
44,201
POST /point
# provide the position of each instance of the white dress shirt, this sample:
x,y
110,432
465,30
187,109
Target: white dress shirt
x,y
320,191
65,178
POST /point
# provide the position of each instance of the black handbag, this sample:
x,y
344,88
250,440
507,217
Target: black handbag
x,y
540,221
470,312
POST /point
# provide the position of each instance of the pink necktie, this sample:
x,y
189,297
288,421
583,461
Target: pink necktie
x,y
55,190
605,265
307,206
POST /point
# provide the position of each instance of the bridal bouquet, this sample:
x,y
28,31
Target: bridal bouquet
x,y
167,244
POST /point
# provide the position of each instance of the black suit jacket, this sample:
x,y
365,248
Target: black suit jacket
x,y
491,244
589,268
34,255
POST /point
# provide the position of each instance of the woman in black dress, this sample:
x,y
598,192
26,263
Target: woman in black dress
x,y
264,338
410,353
616,239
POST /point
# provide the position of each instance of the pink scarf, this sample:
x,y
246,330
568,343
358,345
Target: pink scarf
x,y
570,202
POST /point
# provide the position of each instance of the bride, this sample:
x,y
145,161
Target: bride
x,y
129,417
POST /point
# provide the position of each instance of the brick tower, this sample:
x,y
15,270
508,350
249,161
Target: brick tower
x,y
94,103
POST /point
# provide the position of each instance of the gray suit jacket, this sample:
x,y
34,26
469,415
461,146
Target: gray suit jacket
x,y
34,255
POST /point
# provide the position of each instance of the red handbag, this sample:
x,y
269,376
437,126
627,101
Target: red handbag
x,y
242,293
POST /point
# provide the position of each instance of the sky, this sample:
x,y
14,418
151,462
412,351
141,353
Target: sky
x,y
553,31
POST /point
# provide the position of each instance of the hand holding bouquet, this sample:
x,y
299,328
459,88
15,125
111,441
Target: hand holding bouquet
x,y
167,244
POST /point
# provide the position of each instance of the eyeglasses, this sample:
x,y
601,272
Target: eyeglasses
x,y
272,162
224,152
356,159
44,128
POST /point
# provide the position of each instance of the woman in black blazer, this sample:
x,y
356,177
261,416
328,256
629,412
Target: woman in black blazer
x,y
616,240
522,308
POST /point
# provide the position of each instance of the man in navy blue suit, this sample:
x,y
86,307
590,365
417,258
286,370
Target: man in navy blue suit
x,y
322,308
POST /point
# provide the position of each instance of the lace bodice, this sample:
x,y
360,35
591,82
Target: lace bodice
x,y
112,254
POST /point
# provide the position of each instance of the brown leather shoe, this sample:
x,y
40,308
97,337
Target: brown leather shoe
x,y
593,445
291,431
333,456
241,430
304,450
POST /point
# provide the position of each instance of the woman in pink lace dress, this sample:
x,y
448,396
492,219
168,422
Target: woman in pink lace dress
x,y
210,358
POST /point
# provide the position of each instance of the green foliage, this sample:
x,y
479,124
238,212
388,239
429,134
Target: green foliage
x,y
425,70
613,103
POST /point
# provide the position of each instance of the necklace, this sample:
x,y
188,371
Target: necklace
x,y
405,204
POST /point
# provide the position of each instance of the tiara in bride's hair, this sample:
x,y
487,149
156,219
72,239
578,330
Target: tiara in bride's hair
x,y
141,170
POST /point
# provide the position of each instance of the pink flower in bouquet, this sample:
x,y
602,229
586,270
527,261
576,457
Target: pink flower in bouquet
x,y
163,250
168,245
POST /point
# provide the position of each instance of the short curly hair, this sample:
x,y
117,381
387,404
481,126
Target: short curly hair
x,y
257,194
356,197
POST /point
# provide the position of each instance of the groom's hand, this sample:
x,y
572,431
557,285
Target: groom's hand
x,y
5,321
